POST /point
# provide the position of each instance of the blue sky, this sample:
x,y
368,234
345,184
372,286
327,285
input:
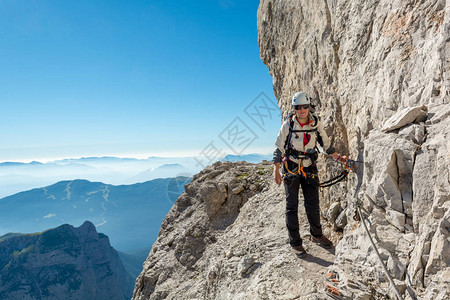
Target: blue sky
x,y
129,78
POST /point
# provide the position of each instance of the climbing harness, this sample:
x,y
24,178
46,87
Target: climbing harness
x,y
299,171
287,143
311,154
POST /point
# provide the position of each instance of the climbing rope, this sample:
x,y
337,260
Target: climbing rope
x,y
349,165
299,171
333,181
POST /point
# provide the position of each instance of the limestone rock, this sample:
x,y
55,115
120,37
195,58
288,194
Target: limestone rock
x,y
404,117
372,65
341,220
388,172
333,211
432,166
396,218
249,256
245,265
414,133
439,257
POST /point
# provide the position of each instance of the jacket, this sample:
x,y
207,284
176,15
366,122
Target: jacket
x,y
297,143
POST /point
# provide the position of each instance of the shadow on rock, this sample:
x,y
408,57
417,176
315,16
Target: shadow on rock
x,y
317,260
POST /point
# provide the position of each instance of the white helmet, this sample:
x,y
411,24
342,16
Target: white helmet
x,y
300,98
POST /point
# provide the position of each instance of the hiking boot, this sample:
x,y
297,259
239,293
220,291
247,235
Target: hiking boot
x,y
322,241
299,250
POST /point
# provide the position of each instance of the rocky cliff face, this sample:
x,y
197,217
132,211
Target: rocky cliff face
x,y
61,263
379,73
225,238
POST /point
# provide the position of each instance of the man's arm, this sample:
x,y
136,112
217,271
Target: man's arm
x,y
338,157
276,173
279,152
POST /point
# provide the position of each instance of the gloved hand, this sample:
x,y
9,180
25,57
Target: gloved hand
x,y
343,159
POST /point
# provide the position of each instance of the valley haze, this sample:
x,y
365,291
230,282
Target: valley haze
x,y
19,176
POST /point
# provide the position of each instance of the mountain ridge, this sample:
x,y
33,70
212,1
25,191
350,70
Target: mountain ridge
x,y
62,262
108,206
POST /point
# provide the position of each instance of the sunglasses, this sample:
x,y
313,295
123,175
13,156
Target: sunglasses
x,y
298,107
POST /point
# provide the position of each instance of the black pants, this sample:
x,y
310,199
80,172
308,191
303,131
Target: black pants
x,y
311,195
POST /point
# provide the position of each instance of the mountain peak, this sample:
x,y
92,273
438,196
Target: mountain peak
x,y
70,261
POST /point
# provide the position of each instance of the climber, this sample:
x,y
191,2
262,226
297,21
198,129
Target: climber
x,y
297,151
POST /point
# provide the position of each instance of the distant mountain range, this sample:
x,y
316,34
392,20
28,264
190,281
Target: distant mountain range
x,y
164,171
17,176
251,158
8,163
62,263
129,214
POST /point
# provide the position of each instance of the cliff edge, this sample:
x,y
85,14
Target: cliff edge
x,y
225,238
378,72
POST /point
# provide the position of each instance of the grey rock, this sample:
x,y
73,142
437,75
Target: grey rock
x,y
388,171
341,220
244,265
333,211
62,263
432,167
439,257
414,133
396,218
404,117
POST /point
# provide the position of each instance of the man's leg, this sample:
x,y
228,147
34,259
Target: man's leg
x,y
291,186
311,195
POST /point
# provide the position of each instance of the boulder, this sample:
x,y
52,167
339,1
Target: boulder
x,y
396,218
388,167
341,220
404,117
333,211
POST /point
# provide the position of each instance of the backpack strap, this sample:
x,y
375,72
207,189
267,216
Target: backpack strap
x,y
316,119
287,142
319,137
304,130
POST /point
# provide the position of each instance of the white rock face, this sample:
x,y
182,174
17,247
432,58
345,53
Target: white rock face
x,y
379,71
405,117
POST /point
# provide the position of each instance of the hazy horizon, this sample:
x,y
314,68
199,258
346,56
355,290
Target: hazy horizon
x,y
16,177
133,79
131,156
